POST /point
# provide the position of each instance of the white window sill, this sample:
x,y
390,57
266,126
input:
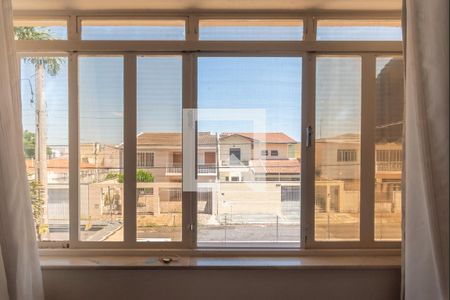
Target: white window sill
x,y
385,260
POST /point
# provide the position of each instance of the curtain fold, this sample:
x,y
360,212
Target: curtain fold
x,y
20,274
426,231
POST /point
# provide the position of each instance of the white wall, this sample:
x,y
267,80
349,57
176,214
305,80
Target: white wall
x,y
269,284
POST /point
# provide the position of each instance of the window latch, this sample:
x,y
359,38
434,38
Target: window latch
x,y
309,133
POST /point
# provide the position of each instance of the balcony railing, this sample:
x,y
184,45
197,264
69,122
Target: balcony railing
x,y
202,170
390,166
173,170
207,170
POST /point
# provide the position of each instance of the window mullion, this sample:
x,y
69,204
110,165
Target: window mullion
x,y
73,33
189,194
73,151
307,158
367,159
129,157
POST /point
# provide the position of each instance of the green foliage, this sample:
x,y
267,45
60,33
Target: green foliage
x,y
29,145
144,176
29,142
141,176
37,200
51,64
110,176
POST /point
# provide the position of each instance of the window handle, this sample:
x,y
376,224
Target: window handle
x,y
309,133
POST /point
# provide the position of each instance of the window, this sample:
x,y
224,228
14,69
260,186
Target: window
x,y
159,104
145,159
338,123
210,158
235,156
251,30
191,132
346,155
239,101
44,94
388,148
354,30
132,29
40,29
101,141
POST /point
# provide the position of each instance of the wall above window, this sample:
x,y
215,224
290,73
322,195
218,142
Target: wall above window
x,y
222,5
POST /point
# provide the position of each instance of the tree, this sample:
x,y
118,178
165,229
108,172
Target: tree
x,y
29,145
52,66
141,176
144,176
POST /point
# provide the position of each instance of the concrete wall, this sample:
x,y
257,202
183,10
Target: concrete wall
x,y
268,284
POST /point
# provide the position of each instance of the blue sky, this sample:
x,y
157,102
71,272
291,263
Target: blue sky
x,y
270,83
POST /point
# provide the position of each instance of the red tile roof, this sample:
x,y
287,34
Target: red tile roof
x,y
58,164
268,137
171,139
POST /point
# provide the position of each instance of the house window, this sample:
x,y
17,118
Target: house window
x,y
145,159
346,155
235,156
150,143
175,195
210,158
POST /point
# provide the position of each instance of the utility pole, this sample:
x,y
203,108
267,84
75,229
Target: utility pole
x,y
41,138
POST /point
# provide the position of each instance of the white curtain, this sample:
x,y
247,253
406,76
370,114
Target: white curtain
x,y
426,242
20,274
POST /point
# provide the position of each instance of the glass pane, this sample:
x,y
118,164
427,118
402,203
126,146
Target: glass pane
x,y
251,30
248,168
40,29
45,137
127,30
159,151
338,134
101,148
388,148
359,30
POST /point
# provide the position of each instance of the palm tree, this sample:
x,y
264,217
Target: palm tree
x,y
52,66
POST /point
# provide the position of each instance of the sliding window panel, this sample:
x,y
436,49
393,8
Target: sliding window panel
x,y
248,151
337,148
133,29
251,30
44,91
388,148
159,149
358,30
40,29
101,148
